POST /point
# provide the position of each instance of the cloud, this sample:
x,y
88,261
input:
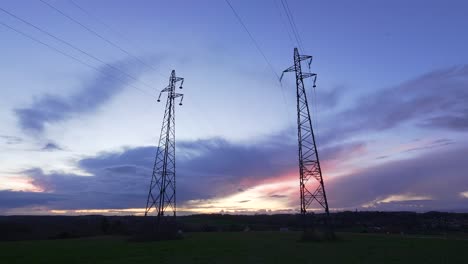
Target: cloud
x,y
50,146
433,100
434,144
14,199
328,99
226,165
11,140
440,175
52,108
278,196
206,169
214,169
452,121
71,191
342,151
382,157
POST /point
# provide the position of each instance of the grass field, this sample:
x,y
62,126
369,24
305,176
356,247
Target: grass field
x,y
249,247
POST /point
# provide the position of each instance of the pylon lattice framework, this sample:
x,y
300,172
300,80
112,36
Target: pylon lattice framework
x,y
310,179
162,191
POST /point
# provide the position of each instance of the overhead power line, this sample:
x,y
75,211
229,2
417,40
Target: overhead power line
x,y
77,59
112,29
292,24
279,84
101,37
100,21
253,40
74,47
283,22
134,45
71,57
299,42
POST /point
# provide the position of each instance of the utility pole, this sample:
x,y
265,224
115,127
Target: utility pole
x,y
162,191
311,184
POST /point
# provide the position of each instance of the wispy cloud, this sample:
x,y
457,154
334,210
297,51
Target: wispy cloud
x,y
51,146
11,140
433,100
93,93
437,176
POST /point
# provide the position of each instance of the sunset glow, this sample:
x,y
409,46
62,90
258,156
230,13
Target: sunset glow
x,y
19,184
81,121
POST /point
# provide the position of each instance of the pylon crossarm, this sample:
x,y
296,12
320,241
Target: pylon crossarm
x,y
181,97
290,69
304,57
162,91
308,74
181,80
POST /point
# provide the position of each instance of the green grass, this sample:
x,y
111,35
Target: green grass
x,y
251,247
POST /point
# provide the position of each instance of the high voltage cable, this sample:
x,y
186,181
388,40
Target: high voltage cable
x,y
279,84
109,27
74,47
123,36
99,20
298,38
71,57
292,23
101,37
113,30
283,22
300,44
96,18
282,18
253,40
78,49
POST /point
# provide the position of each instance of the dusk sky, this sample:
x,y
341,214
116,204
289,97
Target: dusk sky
x,y
390,109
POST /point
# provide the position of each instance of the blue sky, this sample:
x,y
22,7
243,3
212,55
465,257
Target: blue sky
x,y
391,96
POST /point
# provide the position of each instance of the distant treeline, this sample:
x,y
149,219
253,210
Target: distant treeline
x,y
59,227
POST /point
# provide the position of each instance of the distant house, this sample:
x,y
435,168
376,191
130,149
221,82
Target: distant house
x,y
284,229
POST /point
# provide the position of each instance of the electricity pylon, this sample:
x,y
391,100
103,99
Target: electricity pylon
x,y
310,173
162,191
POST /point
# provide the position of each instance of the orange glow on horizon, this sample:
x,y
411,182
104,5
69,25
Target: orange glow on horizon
x,y
266,195
124,211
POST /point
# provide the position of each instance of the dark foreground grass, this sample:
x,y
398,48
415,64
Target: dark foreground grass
x,y
249,247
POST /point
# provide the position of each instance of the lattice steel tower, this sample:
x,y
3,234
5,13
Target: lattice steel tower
x,y
310,179
162,191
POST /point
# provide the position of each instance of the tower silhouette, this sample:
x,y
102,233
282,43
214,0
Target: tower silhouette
x,y
311,184
162,190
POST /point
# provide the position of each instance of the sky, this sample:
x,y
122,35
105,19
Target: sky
x,y
80,121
